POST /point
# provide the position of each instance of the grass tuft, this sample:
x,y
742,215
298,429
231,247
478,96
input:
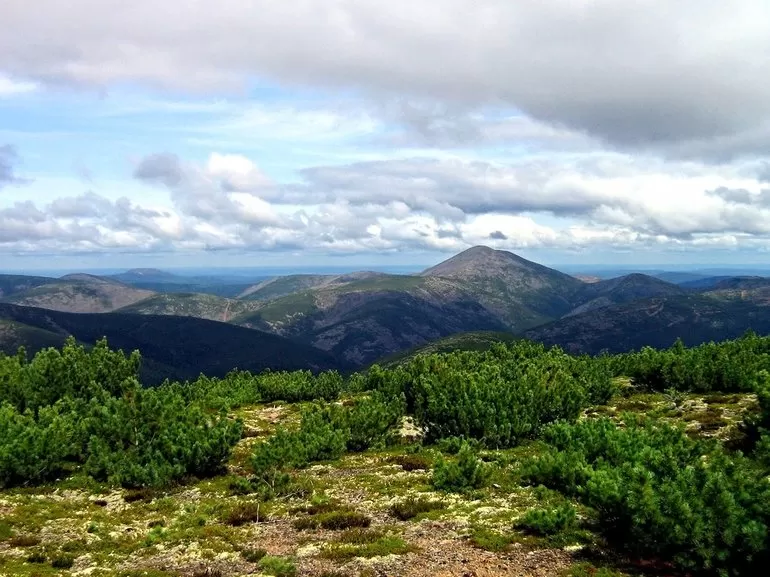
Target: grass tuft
x,y
412,507
244,513
277,566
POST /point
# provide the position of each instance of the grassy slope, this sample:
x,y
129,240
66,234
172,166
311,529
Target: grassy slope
x,y
203,306
80,294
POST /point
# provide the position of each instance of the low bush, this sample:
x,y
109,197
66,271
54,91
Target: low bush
x,y
333,520
24,541
277,566
62,562
659,493
414,506
411,462
548,521
253,555
467,472
244,513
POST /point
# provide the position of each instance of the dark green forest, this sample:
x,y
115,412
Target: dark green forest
x,y
644,486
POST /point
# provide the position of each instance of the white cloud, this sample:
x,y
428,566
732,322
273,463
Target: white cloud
x,y
534,203
688,78
10,87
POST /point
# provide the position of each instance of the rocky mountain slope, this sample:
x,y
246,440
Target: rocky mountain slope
x,y
508,284
281,286
364,320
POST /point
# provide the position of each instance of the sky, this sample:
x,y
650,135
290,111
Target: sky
x,y
318,132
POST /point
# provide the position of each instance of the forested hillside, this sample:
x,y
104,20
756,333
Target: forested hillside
x,y
172,347
518,459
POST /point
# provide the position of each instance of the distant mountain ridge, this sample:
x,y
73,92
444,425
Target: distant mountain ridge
x,y
79,293
356,318
621,290
655,322
172,347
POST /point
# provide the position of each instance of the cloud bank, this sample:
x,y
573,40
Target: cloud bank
x,y
431,125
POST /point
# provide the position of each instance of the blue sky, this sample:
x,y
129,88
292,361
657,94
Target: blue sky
x,y
315,133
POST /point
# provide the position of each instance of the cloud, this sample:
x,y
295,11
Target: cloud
x,y
741,196
161,168
8,159
683,78
764,173
9,87
226,203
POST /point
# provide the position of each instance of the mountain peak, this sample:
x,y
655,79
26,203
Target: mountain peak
x,y
483,261
480,250
507,278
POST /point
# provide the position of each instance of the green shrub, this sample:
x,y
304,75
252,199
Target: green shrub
x,y
659,493
151,437
37,557
277,566
730,366
339,520
35,448
452,445
412,507
360,536
62,562
253,555
467,472
333,520
548,521
483,538
369,545
78,408
500,396
325,432
244,513
370,420
6,531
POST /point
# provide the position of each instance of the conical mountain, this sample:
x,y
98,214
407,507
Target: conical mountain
x,y
503,279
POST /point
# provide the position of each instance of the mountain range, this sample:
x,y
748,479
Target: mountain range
x,y
186,325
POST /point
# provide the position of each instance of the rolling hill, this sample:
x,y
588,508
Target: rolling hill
x,y
655,322
369,318
172,347
166,282
198,305
364,316
286,285
11,284
79,293
621,290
